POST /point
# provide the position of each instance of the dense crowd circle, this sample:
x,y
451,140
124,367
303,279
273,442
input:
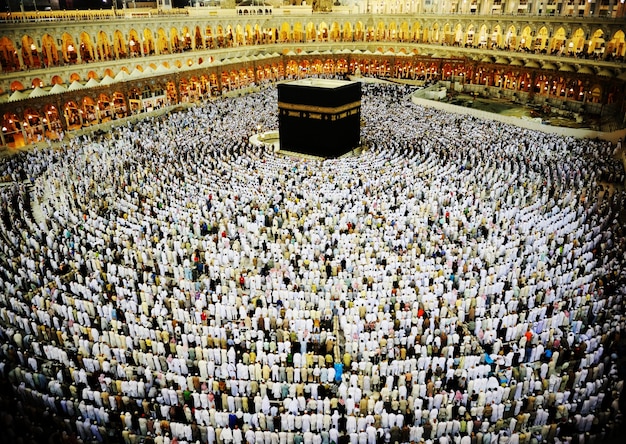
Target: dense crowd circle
x,y
459,281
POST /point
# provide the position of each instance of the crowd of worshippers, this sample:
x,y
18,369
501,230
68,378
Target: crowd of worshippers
x,y
460,281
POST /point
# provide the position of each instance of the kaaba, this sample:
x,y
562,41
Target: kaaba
x,y
319,117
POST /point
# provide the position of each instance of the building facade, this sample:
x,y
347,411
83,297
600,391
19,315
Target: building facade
x,y
62,71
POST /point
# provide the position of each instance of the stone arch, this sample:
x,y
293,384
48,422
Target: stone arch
x,y
134,100
380,32
89,111
335,32
72,115
557,43
541,39
209,37
85,47
470,36
415,32
104,106
8,55
229,36
404,34
186,38
448,34
175,41
483,36
119,45
272,33
458,34
284,34
103,46
120,107
16,85
226,83
33,125
304,68
370,31
496,37
578,40
37,82
257,34
149,46
595,93
56,80
616,47
322,32
248,34
316,67
329,66
261,73
12,130
291,70
92,75
171,93
52,121
74,77
162,45
219,35
68,48
510,38
348,34
437,33
134,43
310,32
49,51
239,35
597,43
198,41
203,84
392,29
359,31
30,52
526,38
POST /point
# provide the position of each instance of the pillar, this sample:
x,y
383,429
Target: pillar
x,y
20,59
94,50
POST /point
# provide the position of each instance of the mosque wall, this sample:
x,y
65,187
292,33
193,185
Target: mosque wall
x,y
139,63
32,119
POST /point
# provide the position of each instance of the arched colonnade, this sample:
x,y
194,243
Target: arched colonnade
x,y
50,116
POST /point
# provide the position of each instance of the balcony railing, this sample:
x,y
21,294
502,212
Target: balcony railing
x,y
149,13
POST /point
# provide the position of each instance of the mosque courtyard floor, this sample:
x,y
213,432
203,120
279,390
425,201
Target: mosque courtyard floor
x,y
546,114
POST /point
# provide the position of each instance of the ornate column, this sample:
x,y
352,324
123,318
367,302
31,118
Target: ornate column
x,y
20,59
79,57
